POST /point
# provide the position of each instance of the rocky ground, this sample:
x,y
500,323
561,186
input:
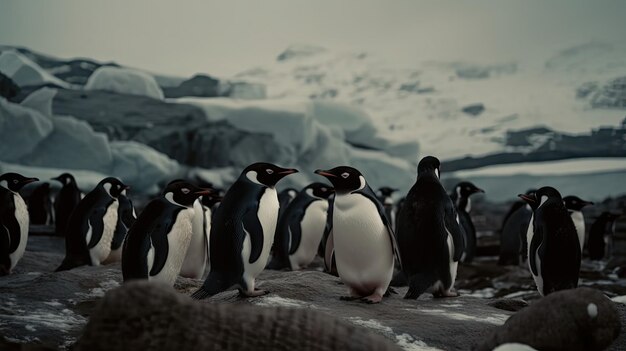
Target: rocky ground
x,y
40,307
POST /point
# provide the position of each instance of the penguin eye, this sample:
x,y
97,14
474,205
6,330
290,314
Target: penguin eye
x,y
324,189
184,190
345,175
14,181
269,171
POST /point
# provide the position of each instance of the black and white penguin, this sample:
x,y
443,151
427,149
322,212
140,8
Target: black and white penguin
x,y
301,227
574,205
40,205
384,196
91,226
285,197
14,220
243,230
157,243
126,216
429,235
461,198
326,249
65,202
513,246
553,248
363,241
601,234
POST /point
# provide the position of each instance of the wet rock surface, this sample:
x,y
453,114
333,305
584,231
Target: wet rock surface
x,y
46,309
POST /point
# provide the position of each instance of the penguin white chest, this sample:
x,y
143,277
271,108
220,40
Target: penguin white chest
x,y
312,229
196,258
101,251
363,249
268,216
178,240
21,214
579,223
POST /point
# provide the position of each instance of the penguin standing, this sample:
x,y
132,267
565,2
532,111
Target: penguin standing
x,y
513,246
14,220
126,216
157,243
40,205
326,250
91,226
461,198
430,237
65,202
601,236
384,196
553,247
285,197
363,241
301,227
574,205
243,230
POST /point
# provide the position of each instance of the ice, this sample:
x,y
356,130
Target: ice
x,y
514,347
219,177
25,72
124,81
41,100
21,130
86,180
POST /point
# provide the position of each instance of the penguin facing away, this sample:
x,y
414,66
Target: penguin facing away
x,y
364,243
461,198
66,200
384,196
126,217
243,230
601,236
429,235
157,243
513,246
554,254
574,205
301,227
39,205
14,220
91,226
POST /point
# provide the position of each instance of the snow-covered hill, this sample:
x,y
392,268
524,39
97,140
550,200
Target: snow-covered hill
x,y
452,109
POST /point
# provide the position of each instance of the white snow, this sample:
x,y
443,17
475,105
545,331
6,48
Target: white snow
x,y
514,347
491,318
86,180
405,341
25,72
219,177
40,100
282,302
124,81
620,299
141,166
561,167
21,129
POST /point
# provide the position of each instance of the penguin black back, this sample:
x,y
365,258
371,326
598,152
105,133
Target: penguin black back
x,y
600,235
65,202
40,205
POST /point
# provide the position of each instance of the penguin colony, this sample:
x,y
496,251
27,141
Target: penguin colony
x,y
195,230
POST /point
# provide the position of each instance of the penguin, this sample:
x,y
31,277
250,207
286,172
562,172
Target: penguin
x,y
461,198
157,243
553,248
40,205
363,241
429,235
326,249
126,216
197,256
65,202
243,230
285,197
91,226
384,196
14,220
513,246
601,236
301,228
574,205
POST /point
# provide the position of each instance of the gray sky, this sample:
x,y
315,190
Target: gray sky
x,y
226,37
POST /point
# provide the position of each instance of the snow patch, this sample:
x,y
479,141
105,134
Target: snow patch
x,y
272,301
620,299
124,81
493,318
24,71
21,130
514,347
405,341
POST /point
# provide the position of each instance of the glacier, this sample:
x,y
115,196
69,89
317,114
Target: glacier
x,y
124,81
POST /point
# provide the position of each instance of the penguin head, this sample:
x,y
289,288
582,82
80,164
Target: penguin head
x,y
465,189
213,198
183,193
319,190
429,165
539,197
386,191
14,181
113,186
575,203
65,179
345,179
266,173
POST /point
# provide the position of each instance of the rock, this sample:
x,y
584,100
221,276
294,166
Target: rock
x,y
512,305
577,319
124,81
199,85
474,110
145,315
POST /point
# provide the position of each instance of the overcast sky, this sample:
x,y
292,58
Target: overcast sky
x,y
226,37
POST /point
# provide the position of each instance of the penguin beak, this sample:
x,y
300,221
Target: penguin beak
x,y
479,190
325,173
288,171
529,199
586,203
204,192
29,180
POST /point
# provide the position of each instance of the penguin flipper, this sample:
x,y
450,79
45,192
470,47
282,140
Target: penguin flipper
x,y
456,231
329,253
9,222
96,220
252,226
534,246
5,241
295,230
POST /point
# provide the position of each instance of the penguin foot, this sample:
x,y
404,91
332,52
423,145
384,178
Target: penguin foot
x,y
372,299
447,293
254,293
